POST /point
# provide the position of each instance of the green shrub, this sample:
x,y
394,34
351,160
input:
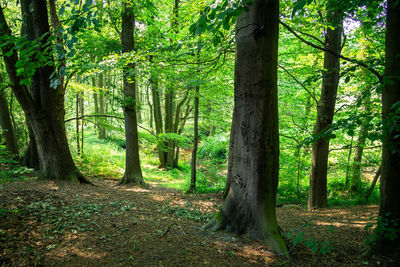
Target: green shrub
x,y
215,148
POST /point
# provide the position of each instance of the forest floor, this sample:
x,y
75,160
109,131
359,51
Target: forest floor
x,y
43,223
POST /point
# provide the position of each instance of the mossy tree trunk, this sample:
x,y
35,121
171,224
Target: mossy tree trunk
x,y
249,207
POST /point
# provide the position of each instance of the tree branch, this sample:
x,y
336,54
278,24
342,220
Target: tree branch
x,y
300,83
106,116
352,60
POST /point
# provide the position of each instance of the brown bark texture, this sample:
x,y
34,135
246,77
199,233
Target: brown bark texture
x,y
43,105
325,111
133,171
249,207
389,209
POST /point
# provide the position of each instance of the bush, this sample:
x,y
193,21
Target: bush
x,y
214,148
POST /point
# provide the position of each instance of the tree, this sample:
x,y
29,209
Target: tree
x,y
133,172
388,236
254,147
43,104
6,125
325,110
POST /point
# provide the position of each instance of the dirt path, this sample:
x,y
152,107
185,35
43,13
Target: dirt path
x,y
64,224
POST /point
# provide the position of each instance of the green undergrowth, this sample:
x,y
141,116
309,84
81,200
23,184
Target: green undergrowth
x,y
105,158
187,212
338,192
11,170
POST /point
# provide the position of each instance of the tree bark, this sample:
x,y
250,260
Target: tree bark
x,y
102,128
96,103
6,125
195,141
371,188
389,209
133,171
158,120
250,204
325,112
44,108
355,184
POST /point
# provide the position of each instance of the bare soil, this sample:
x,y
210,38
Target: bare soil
x,y
46,223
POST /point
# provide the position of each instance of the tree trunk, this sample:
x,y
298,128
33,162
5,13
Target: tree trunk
x,y
44,108
133,172
158,121
195,141
78,145
6,125
102,128
251,200
355,185
96,104
169,127
31,157
150,107
371,188
325,111
389,209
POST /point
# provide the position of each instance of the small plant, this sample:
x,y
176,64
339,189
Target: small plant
x,y
187,212
388,228
316,247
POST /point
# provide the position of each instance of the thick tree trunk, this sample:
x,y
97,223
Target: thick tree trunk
x,y
6,125
44,108
325,111
389,209
250,204
133,171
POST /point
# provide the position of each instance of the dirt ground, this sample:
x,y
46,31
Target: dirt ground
x,y
43,223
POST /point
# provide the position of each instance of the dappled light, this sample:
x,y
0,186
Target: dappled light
x,y
199,133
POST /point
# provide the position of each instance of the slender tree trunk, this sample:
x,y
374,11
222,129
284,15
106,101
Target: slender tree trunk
x,y
78,145
102,129
150,107
6,125
139,101
133,171
348,162
158,120
371,188
325,111
96,104
169,126
195,141
250,204
389,209
82,108
355,184
44,108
